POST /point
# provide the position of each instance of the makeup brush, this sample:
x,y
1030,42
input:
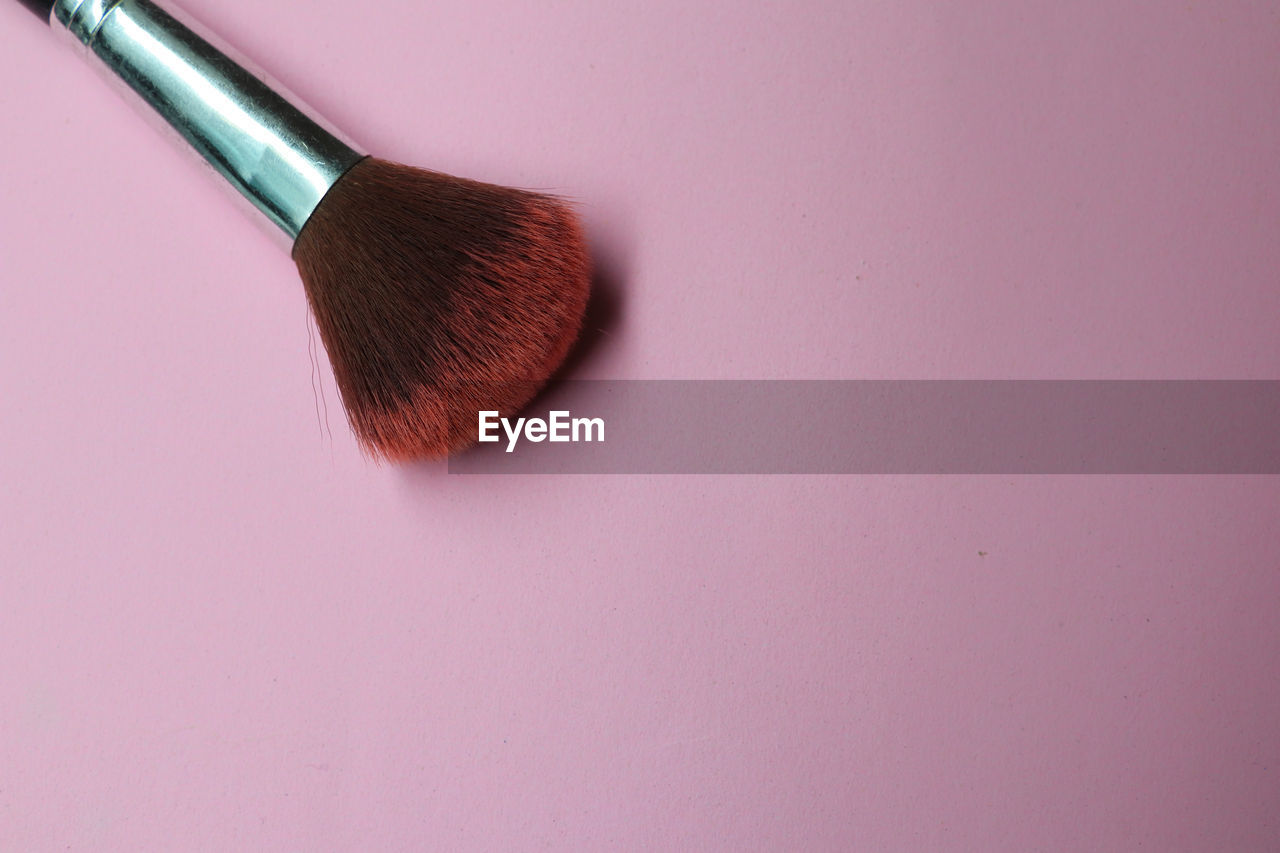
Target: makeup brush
x,y
436,297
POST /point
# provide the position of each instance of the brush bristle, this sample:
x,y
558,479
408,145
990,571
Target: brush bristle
x,y
438,297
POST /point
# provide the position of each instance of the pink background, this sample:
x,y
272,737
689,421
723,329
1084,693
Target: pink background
x,y
221,628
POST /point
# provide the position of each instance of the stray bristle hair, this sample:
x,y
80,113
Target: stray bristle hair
x,y
437,298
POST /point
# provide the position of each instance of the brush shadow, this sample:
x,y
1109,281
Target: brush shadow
x,y
603,317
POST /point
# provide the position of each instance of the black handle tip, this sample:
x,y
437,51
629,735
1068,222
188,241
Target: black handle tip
x,y
40,7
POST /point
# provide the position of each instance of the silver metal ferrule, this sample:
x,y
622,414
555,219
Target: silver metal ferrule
x,y
267,146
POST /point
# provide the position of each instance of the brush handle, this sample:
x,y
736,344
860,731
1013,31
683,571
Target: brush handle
x,y
275,154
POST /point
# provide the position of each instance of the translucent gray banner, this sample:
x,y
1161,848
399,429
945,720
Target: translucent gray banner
x,y
888,427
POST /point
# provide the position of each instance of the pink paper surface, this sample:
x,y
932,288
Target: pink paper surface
x,y
222,629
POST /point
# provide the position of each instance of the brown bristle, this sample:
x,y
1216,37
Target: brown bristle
x,y
438,297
